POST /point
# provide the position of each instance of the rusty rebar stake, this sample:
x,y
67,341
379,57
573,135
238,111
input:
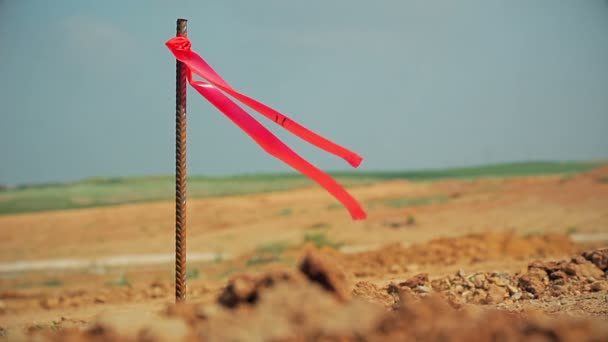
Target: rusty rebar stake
x,y
180,172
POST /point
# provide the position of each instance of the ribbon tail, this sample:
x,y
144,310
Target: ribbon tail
x,y
180,47
275,147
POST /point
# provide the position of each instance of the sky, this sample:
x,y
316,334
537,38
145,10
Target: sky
x,y
88,87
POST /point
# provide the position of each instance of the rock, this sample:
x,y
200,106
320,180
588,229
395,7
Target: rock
x,y
599,286
478,280
516,296
479,296
423,289
498,281
512,289
579,260
599,258
496,294
558,275
370,292
246,288
417,280
100,299
323,271
533,282
443,284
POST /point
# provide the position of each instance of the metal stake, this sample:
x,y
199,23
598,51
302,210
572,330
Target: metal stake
x,y
180,172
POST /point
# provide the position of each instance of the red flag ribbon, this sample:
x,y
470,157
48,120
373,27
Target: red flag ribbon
x,y
181,48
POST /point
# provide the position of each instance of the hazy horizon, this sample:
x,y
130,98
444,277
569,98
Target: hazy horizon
x,y
88,88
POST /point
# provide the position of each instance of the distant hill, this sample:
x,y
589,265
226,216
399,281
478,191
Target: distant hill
x,y
94,192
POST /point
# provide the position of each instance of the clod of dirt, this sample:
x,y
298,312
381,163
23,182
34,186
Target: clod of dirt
x,y
534,281
421,279
370,292
314,266
246,288
564,277
319,269
598,257
294,312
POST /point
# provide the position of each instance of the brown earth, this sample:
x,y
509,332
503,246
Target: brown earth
x,y
507,259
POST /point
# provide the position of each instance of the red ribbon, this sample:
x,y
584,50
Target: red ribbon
x,y
181,48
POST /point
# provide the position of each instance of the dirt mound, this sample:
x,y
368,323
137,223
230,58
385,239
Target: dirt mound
x,y
308,313
304,305
315,267
581,274
468,249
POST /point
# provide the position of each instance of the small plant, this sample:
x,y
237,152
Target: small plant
x,y
259,259
411,220
321,240
334,206
52,283
36,327
285,212
121,281
267,253
192,273
274,248
410,202
319,225
534,232
56,325
571,230
219,258
228,272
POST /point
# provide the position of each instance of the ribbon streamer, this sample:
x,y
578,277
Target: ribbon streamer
x,y
181,48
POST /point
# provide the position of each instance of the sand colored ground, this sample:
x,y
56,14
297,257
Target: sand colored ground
x,y
439,249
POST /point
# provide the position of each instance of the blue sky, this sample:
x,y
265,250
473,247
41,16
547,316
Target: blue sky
x,y
88,87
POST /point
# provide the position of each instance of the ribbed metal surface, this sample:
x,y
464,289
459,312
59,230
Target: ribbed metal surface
x,y
180,173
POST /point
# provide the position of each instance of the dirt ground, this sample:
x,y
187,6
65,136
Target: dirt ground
x,y
491,259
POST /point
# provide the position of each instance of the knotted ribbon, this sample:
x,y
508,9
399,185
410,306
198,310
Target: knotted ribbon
x,y
181,47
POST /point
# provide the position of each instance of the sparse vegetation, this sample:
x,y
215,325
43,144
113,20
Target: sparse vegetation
x,y
267,253
52,283
321,240
94,192
121,281
274,248
410,202
285,212
46,283
411,220
571,230
319,225
334,206
192,273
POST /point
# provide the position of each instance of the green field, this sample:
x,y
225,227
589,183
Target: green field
x,y
112,191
